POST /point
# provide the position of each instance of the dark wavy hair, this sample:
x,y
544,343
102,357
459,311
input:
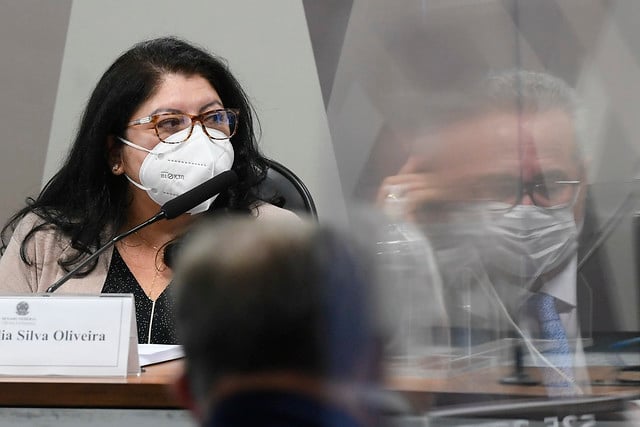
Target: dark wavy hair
x,y
84,200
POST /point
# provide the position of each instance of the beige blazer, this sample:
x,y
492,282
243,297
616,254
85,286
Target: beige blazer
x,y
46,247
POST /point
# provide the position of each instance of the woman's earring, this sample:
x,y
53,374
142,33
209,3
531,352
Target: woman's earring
x,y
115,168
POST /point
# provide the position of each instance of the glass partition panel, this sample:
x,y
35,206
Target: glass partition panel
x,y
496,137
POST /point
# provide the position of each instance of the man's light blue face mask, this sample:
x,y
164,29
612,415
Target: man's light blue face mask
x,y
524,241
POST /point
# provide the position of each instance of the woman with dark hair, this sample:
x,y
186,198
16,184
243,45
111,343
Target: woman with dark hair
x,y
163,118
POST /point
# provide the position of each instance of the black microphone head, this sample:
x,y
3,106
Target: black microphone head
x,y
198,194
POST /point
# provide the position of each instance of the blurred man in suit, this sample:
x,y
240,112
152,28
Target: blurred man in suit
x,y
498,187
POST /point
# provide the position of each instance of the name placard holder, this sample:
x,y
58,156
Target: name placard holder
x,y
68,335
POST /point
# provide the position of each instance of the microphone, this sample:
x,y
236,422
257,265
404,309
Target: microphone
x,y
198,194
519,376
171,209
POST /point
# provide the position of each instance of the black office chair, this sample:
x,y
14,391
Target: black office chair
x,y
282,182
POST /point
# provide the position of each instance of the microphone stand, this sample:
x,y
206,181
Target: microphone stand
x,y
171,209
160,215
519,376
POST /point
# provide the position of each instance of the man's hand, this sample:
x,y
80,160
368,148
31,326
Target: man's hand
x,y
410,189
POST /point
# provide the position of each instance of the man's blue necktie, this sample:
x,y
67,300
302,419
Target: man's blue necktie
x,y
557,349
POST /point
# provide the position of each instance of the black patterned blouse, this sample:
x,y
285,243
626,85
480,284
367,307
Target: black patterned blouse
x,y
156,315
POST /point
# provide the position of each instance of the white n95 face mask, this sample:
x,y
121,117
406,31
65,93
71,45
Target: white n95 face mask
x,y
170,170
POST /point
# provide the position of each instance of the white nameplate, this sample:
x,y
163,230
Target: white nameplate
x,y
74,335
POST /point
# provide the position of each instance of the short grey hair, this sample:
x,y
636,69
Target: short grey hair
x,y
535,92
513,90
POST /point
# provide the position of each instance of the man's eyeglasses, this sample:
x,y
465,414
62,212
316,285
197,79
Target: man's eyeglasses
x,y
550,194
166,125
546,193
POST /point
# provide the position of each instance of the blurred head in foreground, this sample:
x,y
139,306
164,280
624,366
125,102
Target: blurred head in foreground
x,y
280,312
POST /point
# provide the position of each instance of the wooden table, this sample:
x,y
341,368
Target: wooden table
x,y
152,389
484,384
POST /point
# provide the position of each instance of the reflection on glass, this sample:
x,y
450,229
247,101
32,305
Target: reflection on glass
x,y
493,130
